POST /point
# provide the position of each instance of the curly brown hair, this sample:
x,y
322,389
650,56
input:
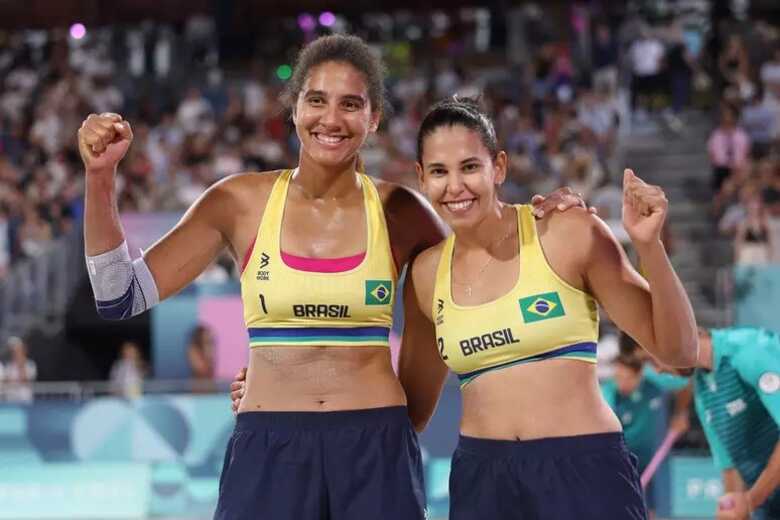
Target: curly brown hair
x,y
338,48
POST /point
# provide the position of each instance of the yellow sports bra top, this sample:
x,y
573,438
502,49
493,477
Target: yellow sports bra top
x,y
286,306
542,317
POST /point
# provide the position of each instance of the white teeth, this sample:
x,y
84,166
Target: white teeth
x,y
460,206
328,139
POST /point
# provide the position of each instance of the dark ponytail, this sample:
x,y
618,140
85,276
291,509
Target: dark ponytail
x,y
458,111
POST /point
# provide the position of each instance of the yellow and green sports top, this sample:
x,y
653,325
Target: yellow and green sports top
x,y
542,317
288,306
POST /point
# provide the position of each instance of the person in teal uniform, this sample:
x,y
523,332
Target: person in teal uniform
x,y
737,399
640,397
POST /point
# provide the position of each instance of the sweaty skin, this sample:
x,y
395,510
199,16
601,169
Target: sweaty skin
x,y
336,378
332,378
553,397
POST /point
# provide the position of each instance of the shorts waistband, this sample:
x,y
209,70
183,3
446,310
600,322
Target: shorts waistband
x,y
323,420
548,447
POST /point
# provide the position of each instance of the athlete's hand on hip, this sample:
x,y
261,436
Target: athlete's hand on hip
x,y
103,142
644,209
558,200
733,506
237,389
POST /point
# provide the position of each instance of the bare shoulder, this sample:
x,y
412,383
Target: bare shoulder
x,y
575,226
238,195
412,222
572,240
245,186
570,220
232,203
427,262
400,200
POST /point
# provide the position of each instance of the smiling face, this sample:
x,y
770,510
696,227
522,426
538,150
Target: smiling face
x,y
333,114
459,176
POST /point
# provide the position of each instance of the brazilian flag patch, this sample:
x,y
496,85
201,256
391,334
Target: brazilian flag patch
x,y
379,292
541,307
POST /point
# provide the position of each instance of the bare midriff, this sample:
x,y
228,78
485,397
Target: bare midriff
x,y
320,379
551,398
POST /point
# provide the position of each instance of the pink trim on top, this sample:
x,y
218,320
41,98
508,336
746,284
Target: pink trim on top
x,y
248,255
322,265
312,265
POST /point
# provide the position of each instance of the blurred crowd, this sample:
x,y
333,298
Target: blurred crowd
x,y
743,147
561,95
556,113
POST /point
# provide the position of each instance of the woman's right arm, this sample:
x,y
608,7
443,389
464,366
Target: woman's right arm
x,y
414,228
420,368
123,287
103,142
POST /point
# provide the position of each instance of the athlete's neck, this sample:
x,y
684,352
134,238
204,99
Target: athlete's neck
x,y
314,181
500,222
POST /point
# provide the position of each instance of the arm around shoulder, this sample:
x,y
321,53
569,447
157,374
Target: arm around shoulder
x,y
412,223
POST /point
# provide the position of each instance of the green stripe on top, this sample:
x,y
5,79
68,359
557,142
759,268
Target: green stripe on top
x,y
318,335
578,355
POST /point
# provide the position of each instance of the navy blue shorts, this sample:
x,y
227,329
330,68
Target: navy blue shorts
x,y
347,465
587,477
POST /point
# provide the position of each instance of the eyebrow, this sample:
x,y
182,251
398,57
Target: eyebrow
x,y
464,161
350,97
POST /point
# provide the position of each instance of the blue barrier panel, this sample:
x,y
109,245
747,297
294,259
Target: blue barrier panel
x,y
161,456
82,491
166,452
696,487
158,456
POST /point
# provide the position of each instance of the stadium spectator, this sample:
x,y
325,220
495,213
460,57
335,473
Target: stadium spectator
x,y
604,58
760,124
734,68
681,65
128,371
728,145
770,76
647,60
19,373
35,233
736,212
200,354
753,244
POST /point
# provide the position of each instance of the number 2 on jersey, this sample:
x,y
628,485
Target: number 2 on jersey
x,y
440,341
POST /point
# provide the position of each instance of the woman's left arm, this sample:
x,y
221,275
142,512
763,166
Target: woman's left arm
x,y
654,310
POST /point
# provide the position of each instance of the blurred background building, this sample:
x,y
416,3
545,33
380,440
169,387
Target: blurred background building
x,y
133,416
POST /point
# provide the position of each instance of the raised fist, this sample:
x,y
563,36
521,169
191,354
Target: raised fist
x,y
644,209
103,141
